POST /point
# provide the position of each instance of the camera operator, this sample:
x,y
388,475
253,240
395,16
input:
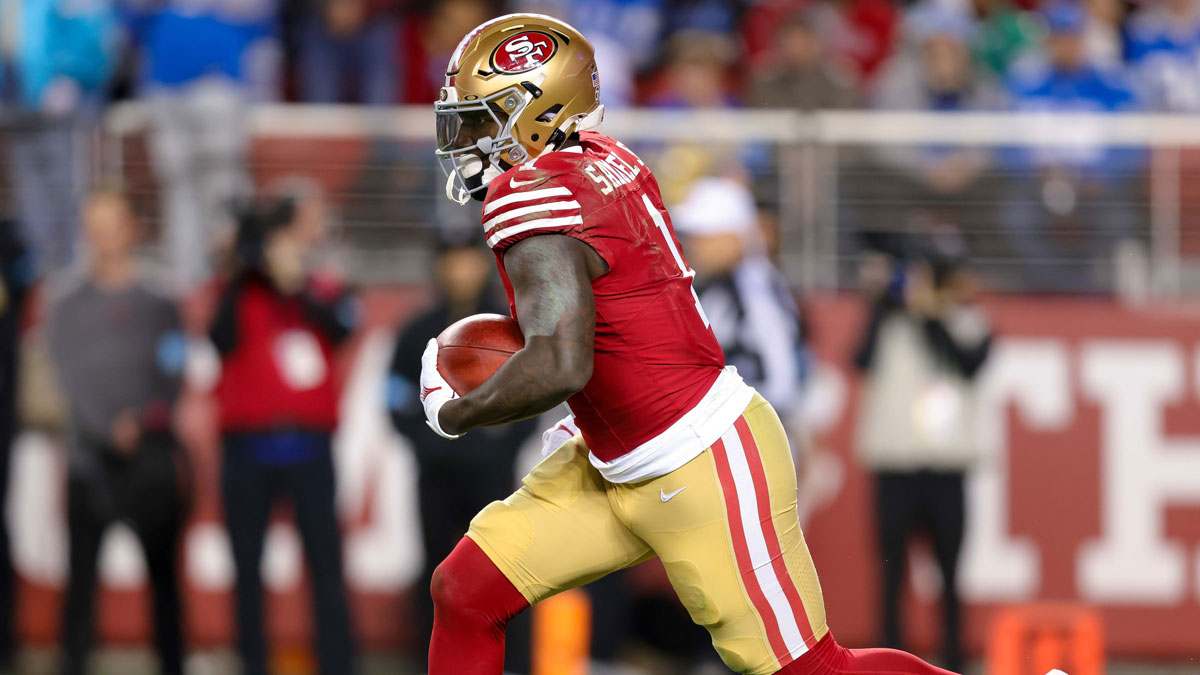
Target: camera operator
x,y
921,350
276,328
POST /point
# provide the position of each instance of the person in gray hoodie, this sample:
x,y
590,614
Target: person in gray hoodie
x,y
118,348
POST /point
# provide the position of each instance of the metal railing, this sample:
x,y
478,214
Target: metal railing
x,y
833,180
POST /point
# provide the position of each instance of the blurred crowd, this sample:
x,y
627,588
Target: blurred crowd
x,y
61,56
198,64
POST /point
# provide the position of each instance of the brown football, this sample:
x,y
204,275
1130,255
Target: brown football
x,y
470,350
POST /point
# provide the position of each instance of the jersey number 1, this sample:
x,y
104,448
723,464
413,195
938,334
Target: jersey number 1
x,y
687,272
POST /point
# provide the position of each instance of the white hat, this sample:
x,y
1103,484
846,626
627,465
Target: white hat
x,y
716,206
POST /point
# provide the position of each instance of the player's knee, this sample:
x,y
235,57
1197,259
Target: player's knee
x,y
446,587
468,586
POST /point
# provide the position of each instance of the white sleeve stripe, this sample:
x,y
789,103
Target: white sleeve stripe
x,y
526,210
542,223
526,197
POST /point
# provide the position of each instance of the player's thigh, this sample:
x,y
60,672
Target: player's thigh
x,y
558,531
732,546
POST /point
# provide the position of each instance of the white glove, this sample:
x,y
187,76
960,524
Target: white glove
x,y
435,390
554,437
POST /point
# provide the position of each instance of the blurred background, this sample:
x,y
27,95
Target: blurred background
x,y
955,242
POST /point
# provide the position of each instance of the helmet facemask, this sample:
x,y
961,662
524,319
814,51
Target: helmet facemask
x,y
466,175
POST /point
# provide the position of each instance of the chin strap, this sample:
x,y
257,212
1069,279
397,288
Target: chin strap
x,y
470,167
573,125
454,193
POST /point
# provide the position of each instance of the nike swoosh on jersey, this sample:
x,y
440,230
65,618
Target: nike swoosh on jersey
x,y
514,183
425,392
668,496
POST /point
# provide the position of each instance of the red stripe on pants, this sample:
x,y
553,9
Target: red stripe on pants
x,y
742,552
759,476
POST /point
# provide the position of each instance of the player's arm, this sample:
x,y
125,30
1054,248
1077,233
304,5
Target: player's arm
x,y
551,277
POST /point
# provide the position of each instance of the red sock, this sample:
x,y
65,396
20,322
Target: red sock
x,y
472,603
827,657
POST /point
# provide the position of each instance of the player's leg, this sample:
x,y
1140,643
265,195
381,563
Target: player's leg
x,y
730,540
726,528
473,602
557,532
827,657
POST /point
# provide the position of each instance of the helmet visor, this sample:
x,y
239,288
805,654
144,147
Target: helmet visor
x,y
462,127
464,124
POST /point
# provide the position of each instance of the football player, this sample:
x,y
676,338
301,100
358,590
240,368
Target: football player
x,y
677,457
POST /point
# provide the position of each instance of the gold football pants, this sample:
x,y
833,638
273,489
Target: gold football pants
x,y
724,525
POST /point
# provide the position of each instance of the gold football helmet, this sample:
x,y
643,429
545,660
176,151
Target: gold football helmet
x,y
531,76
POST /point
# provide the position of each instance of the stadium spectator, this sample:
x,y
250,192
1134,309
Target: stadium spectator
x,y
348,44
860,34
798,74
203,61
1003,33
276,328
705,15
633,26
456,479
1102,38
921,350
16,279
696,73
941,183
1065,74
118,351
1081,193
1164,48
936,74
59,57
932,71
760,25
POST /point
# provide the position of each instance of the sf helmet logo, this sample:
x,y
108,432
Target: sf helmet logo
x,y
523,52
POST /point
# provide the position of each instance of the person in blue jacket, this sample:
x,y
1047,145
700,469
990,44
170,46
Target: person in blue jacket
x,y
51,90
1163,46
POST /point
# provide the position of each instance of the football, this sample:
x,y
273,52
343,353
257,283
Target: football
x,y
470,350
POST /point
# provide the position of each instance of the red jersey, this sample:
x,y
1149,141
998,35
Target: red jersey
x,y
655,356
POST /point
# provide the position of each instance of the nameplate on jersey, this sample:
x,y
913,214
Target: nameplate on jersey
x,y
612,172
